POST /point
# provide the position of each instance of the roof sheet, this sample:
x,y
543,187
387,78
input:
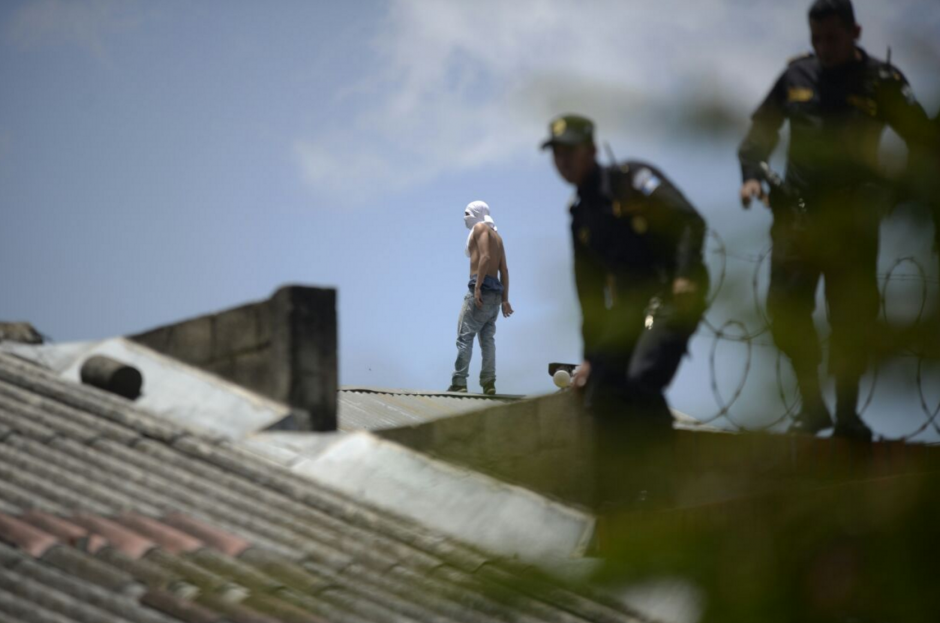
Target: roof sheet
x,y
109,514
367,408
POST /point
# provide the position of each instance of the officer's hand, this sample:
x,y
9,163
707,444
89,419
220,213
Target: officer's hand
x,y
507,309
581,374
683,293
751,189
478,299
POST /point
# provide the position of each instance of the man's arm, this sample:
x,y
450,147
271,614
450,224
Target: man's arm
x,y
686,229
590,280
904,114
760,141
679,226
504,279
481,232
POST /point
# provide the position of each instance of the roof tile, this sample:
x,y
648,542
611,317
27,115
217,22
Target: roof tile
x,y
79,477
219,539
28,538
167,537
125,540
25,611
45,384
64,530
54,600
83,565
89,593
178,608
206,531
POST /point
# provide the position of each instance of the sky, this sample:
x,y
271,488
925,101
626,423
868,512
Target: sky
x,y
163,160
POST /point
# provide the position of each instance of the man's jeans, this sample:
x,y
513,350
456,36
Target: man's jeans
x,y
474,321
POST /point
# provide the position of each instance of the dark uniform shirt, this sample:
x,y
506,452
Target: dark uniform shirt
x,y
633,233
836,116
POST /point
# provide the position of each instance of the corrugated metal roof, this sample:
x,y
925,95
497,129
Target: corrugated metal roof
x,y
370,408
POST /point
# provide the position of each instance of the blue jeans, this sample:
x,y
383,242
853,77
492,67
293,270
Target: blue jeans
x,y
472,322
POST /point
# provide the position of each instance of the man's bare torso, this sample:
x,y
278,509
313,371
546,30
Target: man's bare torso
x,y
496,253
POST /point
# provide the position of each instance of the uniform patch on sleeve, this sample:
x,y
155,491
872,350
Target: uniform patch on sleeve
x,y
646,181
908,94
865,104
799,94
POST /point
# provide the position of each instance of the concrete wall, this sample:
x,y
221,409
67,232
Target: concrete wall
x,y
547,444
283,348
543,444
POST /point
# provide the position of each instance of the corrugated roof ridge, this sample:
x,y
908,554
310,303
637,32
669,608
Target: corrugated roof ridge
x,y
93,569
25,610
220,540
88,592
543,615
242,511
14,423
46,491
55,600
144,573
60,417
332,502
237,612
60,468
383,525
371,584
203,567
51,390
450,551
25,499
85,398
298,530
586,602
180,609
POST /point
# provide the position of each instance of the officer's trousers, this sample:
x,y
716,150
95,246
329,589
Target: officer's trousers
x,y
839,243
633,423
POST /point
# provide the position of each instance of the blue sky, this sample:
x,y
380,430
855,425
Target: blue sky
x,y
160,160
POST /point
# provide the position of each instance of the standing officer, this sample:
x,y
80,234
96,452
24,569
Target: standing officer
x,y
837,102
638,268
642,284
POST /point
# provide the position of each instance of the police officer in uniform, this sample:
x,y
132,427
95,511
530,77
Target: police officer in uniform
x,y
641,283
826,215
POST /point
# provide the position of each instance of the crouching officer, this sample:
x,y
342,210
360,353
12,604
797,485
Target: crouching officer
x,y
640,279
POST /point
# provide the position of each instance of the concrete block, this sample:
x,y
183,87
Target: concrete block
x,y
264,316
304,344
236,331
561,421
296,328
252,370
419,438
191,341
463,433
511,430
224,368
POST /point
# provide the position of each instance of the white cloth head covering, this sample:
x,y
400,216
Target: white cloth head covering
x,y
476,212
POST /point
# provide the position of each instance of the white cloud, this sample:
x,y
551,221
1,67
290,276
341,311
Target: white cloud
x,y
85,24
457,85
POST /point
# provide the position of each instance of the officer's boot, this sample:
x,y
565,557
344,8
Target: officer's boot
x,y
848,423
813,416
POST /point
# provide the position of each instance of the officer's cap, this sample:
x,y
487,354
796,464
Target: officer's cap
x,y
569,130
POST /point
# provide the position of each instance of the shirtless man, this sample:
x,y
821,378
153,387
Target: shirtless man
x,y
483,301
